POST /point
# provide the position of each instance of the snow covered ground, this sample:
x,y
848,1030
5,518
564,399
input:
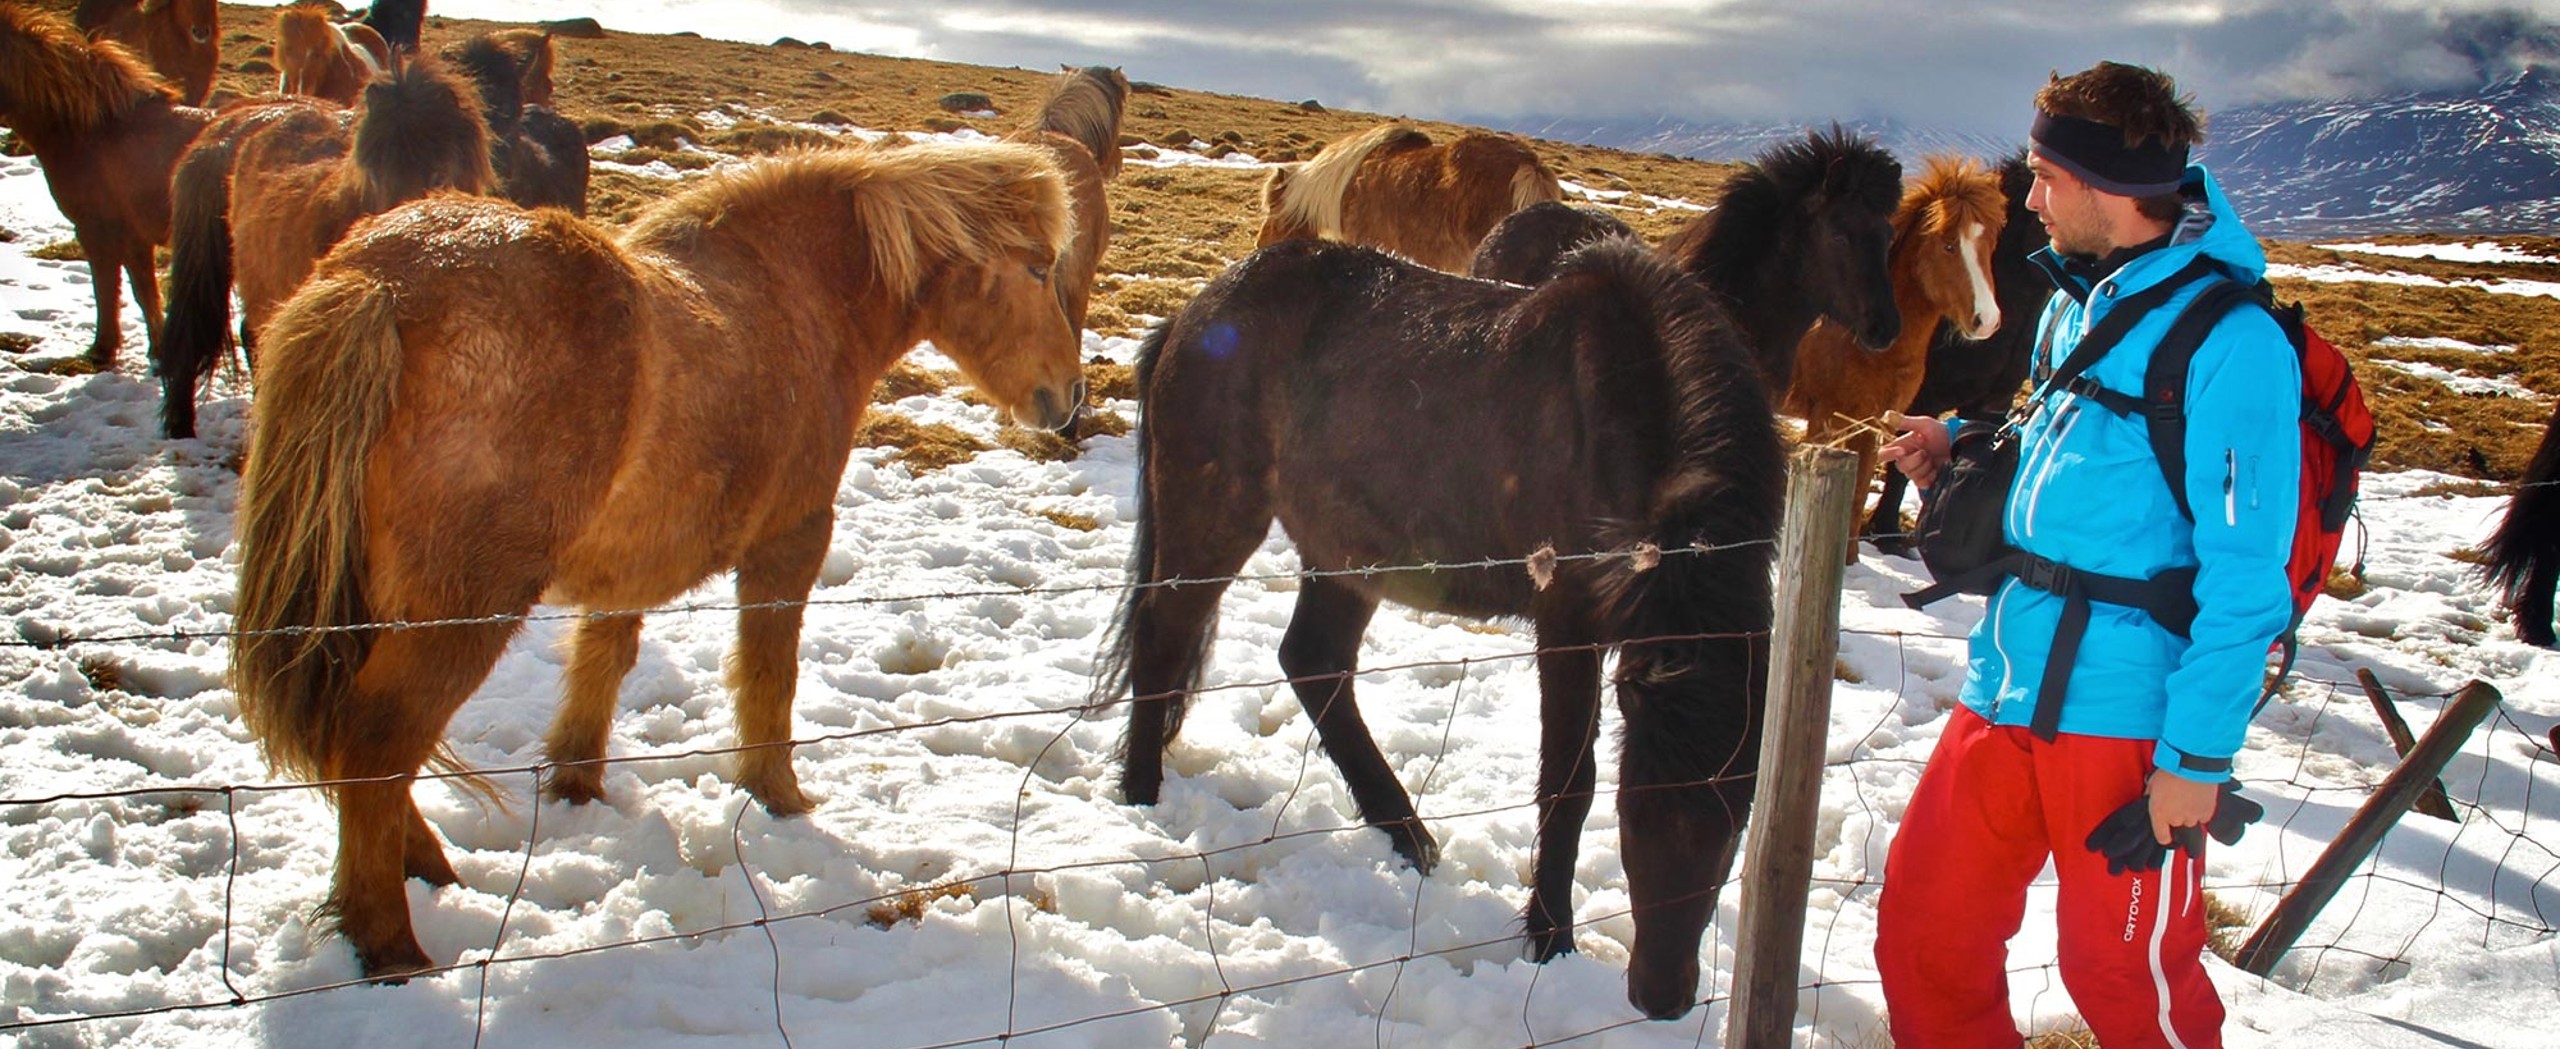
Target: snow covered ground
x,y
949,641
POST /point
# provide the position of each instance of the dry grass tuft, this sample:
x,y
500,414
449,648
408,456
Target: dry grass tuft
x,y
1039,446
103,674
18,341
751,139
922,446
1111,382
2226,927
1072,522
60,251
907,380
2075,1036
909,906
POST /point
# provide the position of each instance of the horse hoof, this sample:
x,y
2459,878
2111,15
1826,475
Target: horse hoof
x,y
1416,846
783,800
576,785
1547,946
393,966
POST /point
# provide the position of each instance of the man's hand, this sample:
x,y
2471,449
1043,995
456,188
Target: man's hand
x,y
2177,801
1923,449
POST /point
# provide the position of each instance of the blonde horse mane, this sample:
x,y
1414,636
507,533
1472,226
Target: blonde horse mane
x,y
918,205
52,77
1950,192
1311,194
1085,105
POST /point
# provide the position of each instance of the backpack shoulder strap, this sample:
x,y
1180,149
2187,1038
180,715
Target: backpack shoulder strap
x,y
2164,382
2110,329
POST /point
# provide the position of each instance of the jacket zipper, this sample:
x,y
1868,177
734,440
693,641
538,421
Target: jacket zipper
x,y
2230,502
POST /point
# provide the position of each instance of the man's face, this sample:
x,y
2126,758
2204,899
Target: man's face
x,y
2069,209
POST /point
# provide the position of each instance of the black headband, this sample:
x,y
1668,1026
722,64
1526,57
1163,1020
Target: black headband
x,y
2097,154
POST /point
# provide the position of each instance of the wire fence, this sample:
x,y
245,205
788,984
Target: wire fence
x,y
2527,844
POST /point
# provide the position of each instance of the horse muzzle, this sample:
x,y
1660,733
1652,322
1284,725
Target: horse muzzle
x,y
1056,414
1984,326
1878,332
1663,996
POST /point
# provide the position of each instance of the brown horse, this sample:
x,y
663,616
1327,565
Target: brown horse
x,y
1943,235
471,407
269,187
1823,205
107,132
179,37
320,58
1080,126
540,156
1392,187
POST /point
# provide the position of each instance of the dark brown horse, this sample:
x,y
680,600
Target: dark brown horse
x,y
1800,233
471,407
1391,187
271,186
179,37
1527,247
539,155
108,132
2524,553
1943,236
1080,126
1388,414
397,22
1979,380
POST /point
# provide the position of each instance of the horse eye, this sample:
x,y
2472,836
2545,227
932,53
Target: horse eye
x,y
1951,247
1040,273
201,33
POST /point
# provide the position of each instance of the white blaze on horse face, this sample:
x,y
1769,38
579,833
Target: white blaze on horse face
x,y
1977,265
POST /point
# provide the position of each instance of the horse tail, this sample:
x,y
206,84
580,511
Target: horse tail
x,y
420,131
196,330
329,377
1691,606
2526,545
1311,196
1111,674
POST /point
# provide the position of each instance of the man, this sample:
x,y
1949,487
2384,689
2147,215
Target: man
x,y
2153,714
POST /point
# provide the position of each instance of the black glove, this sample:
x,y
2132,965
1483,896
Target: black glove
x,y
2124,837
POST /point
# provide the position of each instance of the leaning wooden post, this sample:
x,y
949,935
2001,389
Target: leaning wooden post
x,y
2433,802
1822,491
2364,832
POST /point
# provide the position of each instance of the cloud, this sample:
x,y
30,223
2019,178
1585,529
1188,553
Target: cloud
x,y
1964,65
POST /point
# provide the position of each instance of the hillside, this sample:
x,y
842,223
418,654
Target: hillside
x,y
694,103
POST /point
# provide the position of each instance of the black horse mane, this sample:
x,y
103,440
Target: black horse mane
x,y
1757,202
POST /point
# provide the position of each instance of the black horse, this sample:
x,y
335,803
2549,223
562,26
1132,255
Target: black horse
x,y
540,157
2524,553
1980,380
1799,234
1389,414
398,21
1529,245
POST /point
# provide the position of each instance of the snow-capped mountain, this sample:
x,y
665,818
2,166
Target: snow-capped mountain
x,y
2484,160
2474,160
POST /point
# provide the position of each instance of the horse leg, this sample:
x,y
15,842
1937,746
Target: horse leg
x,y
1884,526
601,652
411,684
1319,653
774,578
2534,611
1568,731
140,268
107,279
1204,531
1168,629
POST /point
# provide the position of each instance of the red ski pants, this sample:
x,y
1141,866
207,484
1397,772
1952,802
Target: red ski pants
x,y
1993,803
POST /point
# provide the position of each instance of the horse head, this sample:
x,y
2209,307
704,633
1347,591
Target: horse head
x,y
180,38
1847,231
993,306
1944,235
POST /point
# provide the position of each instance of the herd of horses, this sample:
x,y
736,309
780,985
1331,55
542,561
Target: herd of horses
x,y
470,400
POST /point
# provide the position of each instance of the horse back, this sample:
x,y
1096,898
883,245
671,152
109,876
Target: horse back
x,y
1434,204
1400,415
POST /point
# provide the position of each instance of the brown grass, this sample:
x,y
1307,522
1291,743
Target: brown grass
x,y
1072,522
909,906
18,341
60,251
922,446
907,380
2226,927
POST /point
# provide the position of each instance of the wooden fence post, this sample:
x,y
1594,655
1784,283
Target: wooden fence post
x,y
1822,493
2433,802
2364,831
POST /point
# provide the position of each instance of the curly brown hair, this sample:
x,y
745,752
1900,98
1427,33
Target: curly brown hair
x,y
2143,103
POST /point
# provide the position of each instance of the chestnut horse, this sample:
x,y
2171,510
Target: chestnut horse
x,y
1530,245
179,37
1080,126
1392,187
539,155
323,59
1389,414
472,407
107,132
2524,553
1943,236
1979,380
271,186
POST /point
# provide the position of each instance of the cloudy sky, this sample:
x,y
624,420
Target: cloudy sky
x,y
1965,65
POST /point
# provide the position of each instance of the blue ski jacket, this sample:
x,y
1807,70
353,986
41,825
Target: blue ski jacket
x,y
2090,494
